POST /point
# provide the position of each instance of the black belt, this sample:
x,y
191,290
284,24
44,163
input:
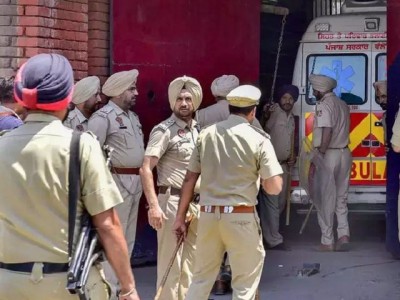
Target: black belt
x,y
48,268
173,191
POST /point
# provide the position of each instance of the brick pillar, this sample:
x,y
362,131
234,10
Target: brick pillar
x,y
30,27
99,38
9,31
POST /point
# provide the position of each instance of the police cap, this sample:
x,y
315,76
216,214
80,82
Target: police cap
x,y
244,96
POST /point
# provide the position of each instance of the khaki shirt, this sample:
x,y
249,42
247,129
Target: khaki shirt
x,y
172,142
231,156
213,114
334,113
280,126
122,131
396,131
216,113
76,120
34,194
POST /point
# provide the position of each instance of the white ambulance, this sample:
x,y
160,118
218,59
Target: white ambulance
x,y
351,48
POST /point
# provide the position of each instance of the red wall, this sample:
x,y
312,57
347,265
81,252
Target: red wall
x,y
200,38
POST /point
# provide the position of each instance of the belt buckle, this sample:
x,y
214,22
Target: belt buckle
x,y
228,209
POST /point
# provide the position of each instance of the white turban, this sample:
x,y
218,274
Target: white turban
x,y
381,86
322,83
85,88
119,82
188,83
221,86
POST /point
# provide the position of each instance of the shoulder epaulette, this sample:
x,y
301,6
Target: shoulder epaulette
x,y
104,111
260,131
163,126
3,132
91,134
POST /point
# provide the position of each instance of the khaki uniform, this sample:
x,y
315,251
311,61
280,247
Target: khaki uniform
x,y
123,132
396,141
280,126
34,206
172,142
230,178
76,120
334,113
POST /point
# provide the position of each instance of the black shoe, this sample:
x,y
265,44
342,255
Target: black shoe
x,y
282,247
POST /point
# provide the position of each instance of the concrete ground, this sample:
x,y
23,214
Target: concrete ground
x,y
367,272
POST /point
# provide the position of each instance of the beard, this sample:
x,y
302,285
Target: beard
x,y
383,106
286,107
184,113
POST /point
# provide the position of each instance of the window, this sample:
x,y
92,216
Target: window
x,y
349,70
381,71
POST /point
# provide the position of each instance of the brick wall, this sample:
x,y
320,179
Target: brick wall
x,y
9,31
57,27
29,27
99,37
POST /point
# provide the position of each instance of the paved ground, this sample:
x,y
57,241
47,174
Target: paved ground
x,y
368,272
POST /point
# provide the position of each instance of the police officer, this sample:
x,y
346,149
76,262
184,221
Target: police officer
x,y
231,156
381,98
9,108
280,125
220,88
86,97
331,140
170,145
34,194
117,126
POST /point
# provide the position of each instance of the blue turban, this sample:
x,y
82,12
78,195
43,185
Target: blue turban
x,y
45,82
290,89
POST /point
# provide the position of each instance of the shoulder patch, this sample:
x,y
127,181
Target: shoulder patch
x,y
104,111
163,126
260,131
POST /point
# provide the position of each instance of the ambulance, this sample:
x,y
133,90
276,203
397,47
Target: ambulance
x,y
351,48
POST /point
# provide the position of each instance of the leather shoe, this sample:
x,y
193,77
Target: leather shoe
x,y
221,287
282,246
343,244
325,248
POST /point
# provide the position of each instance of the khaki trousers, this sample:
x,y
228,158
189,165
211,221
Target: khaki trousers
x,y
180,275
239,235
131,190
38,286
271,207
338,161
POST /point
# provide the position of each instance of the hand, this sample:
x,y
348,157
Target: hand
x,y
317,152
156,217
132,296
269,107
291,161
179,228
